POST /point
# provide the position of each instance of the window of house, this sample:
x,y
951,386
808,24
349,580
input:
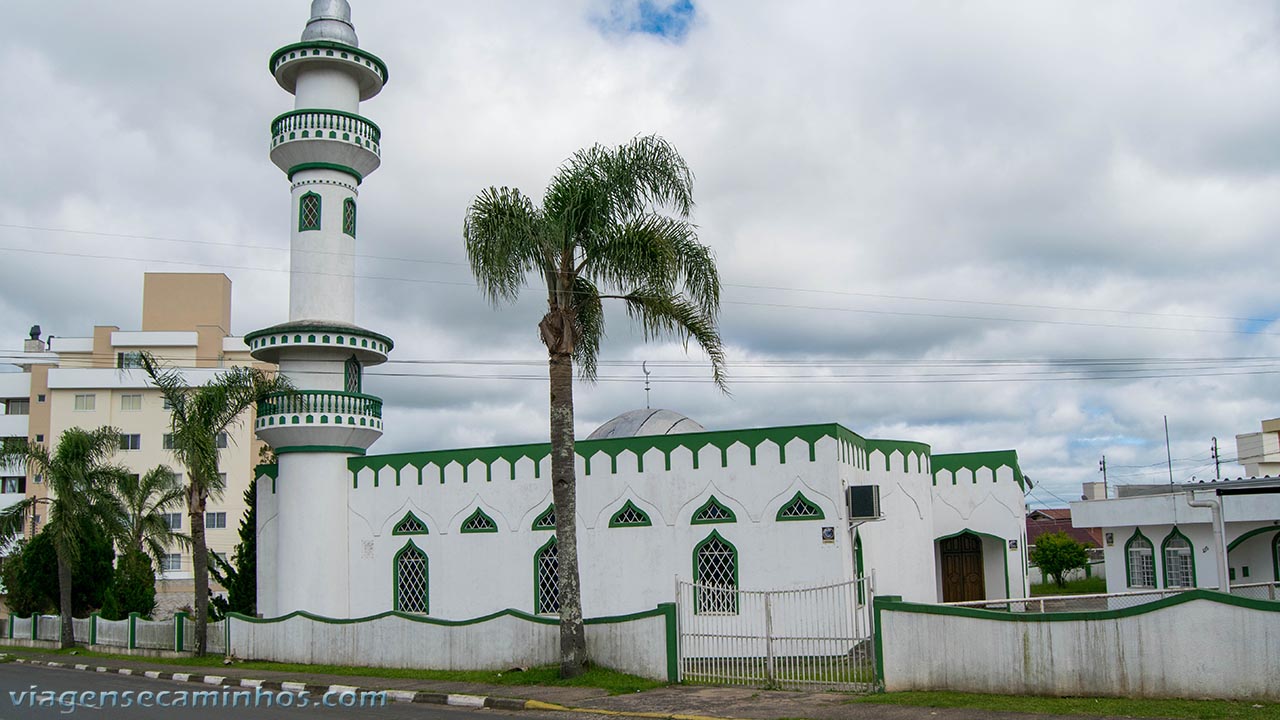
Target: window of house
x,y
86,401
18,407
715,577
713,511
546,586
479,522
222,439
173,520
166,441
309,212
131,441
222,480
409,525
222,557
39,437
1179,562
630,516
166,404
128,360
215,520
40,397
131,402
171,562
14,484
547,520
411,580
349,217
1140,561
800,507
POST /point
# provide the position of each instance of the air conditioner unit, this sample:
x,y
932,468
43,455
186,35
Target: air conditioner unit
x,y
863,502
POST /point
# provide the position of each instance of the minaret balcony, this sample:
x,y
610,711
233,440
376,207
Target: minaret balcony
x,y
325,138
319,418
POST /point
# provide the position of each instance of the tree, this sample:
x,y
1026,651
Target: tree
x,y
1058,554
142,502
599,234
78,476
199,415
133,588
26,592
240,576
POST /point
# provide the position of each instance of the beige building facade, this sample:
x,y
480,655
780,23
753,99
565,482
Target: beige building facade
x,y
92,381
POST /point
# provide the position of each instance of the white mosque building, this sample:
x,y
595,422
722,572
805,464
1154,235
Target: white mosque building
x,y
460,533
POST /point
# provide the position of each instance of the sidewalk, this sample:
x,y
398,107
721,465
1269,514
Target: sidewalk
x,y
675,702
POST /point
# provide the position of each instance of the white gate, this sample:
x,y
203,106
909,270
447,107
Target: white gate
x,y
807,638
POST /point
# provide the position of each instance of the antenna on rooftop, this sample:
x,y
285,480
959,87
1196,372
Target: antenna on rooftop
x,y
644,367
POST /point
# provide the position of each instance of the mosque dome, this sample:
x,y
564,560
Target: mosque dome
x,y
646,421
331,20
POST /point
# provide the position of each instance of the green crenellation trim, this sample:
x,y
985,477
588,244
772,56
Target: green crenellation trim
x,y
975,461
270,470
906,447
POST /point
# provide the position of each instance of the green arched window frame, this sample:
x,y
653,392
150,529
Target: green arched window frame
x,y
349,216
858,568
479,522
546,520
1137,543
309,210
711,512
1174,563
630,516
800,507
546,578
715,576
410,525
411,580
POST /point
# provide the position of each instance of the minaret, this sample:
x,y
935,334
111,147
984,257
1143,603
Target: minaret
x,y
326,148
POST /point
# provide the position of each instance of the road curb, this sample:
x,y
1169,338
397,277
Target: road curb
x,y
400,696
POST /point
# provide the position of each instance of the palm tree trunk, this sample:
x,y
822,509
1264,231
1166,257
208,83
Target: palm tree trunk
x,y
573,640
200,564
68,638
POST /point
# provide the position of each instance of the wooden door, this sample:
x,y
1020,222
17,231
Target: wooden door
x,y
962,578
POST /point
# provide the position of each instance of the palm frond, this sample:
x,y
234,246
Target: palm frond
x,y
659,314
13,519
501,230
588,317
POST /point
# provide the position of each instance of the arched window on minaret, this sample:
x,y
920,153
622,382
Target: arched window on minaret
x,y
349,217
353,373
309,212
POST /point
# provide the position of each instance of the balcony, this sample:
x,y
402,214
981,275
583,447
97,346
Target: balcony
x,y
14,425
319,420
309,139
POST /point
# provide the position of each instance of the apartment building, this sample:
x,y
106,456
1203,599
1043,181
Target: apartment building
x,y
93,380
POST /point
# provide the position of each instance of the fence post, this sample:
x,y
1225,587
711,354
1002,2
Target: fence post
x,y
35,626
133,630
93,628
179,628
768,637
11,621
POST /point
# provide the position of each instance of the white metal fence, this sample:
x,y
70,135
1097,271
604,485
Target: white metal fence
x,y
80,629
48,627
216,639
805,638
21,628
113,632
1110,601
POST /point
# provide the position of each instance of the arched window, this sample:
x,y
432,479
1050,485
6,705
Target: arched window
x,y
713,511
858,569
309,212
409,525
1140,561
411,580
353,375
349,217
479,522
800,507
547,520
1179,561
715,577
546,575
630,516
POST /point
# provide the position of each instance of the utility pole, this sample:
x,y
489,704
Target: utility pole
x,y
1102,468
1217,468
1167,452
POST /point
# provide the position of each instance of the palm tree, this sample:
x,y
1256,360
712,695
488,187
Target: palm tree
x,y
599,234
199,415
142,501
78,474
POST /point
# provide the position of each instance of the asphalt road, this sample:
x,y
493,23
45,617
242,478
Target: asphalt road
x,y
37,692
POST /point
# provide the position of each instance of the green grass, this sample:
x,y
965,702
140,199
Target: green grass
x,y
1109,707
612,681
1086,586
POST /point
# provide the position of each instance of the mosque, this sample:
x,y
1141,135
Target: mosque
x,y
460,533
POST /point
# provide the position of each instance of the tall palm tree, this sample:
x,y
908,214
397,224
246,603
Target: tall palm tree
x,y
141,504
599,234
199,415
78,474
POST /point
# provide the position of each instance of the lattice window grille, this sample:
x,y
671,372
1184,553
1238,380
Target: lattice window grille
x,y
411,581
713,512
479,522
547,520
410,525
717,565
352,375
629,515
1177,564
309,212
548,566
349,217
1142,565
800,509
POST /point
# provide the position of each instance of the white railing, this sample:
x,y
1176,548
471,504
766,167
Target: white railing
x,y
157,635
215,640
80,629
113,632
1258,591
1110,601
21,628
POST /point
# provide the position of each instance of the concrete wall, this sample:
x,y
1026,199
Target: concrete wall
x,y
1197,644
642,644
983,495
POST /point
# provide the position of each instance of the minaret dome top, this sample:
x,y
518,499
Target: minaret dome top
x,y
331,20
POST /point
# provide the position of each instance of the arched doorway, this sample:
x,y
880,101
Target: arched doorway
x,y
962,575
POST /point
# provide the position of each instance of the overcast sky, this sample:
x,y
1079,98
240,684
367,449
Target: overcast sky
x,y
926,215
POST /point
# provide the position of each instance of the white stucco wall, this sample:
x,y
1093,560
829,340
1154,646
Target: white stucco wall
x,y
983,496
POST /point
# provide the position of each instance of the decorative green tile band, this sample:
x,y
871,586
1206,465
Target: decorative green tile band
x,y
318,334
330,51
